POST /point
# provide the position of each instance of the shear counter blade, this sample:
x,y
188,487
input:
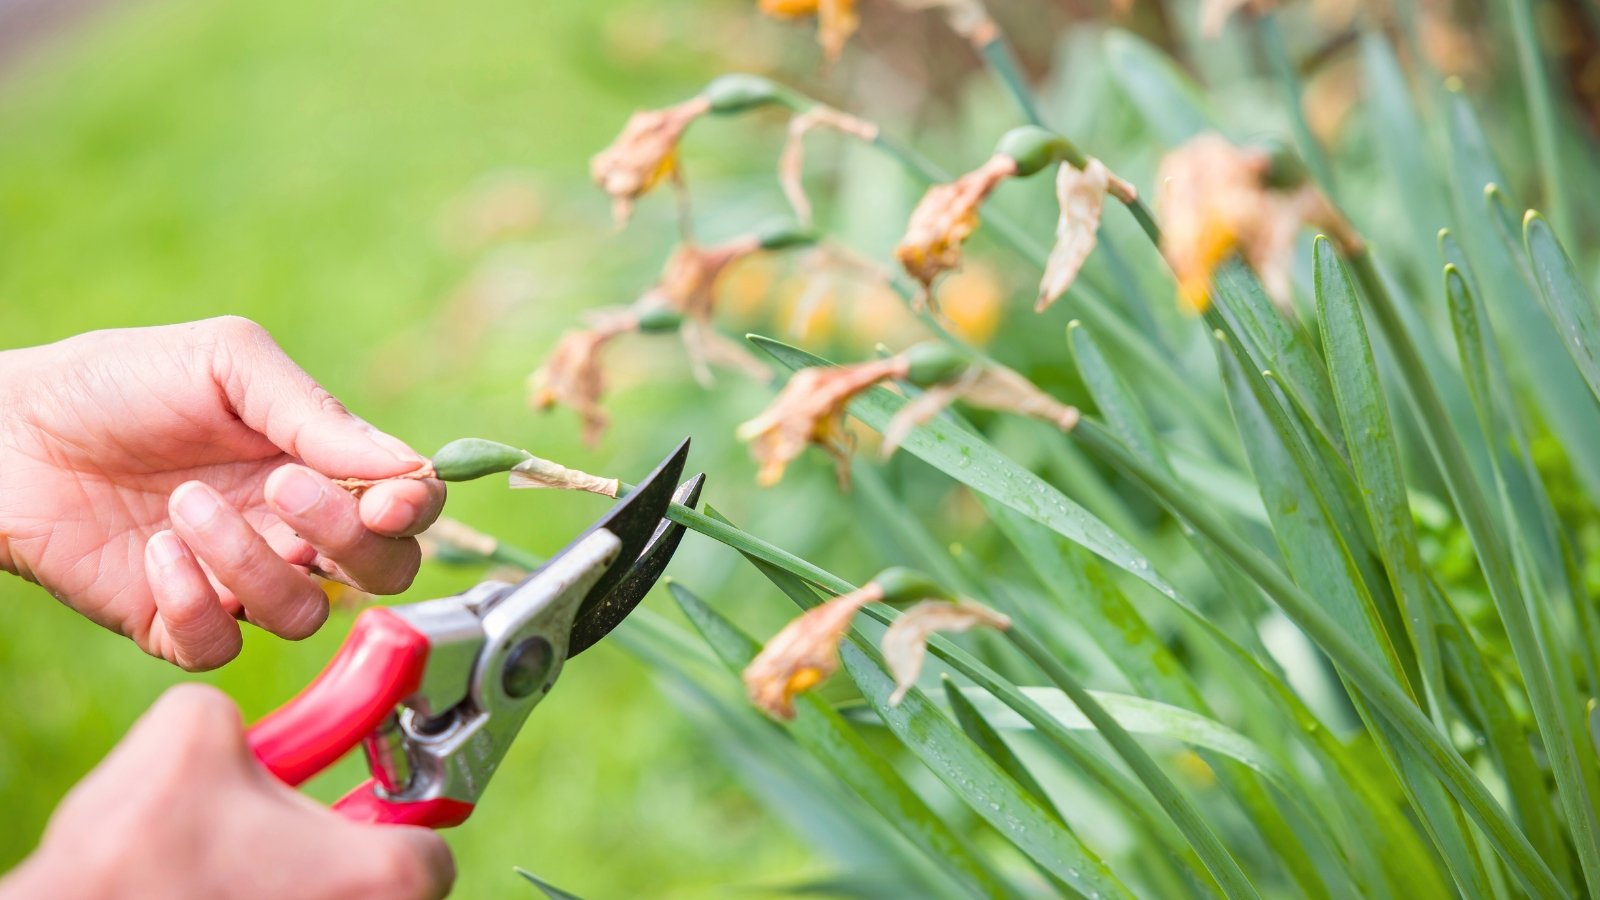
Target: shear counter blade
x,y
607,614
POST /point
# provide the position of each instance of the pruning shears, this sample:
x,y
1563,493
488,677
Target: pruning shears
x,y
435,692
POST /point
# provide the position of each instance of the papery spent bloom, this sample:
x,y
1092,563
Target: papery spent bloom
x,y
1217,200
1214,14
791,163
804,653
688,287
1081,196
836,20
810,410
538,472
905,643
984,384
944,218
643,154
572,376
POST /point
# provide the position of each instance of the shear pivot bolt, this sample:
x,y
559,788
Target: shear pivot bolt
x,y
526,666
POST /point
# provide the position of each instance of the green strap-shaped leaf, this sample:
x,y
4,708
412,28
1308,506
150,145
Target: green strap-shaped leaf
x,y
548,889
1565,297
1375,455
980,782
821,730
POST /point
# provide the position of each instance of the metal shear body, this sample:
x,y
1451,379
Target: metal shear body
x,y
435,692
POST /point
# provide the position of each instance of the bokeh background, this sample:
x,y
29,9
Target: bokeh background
x,y
400,195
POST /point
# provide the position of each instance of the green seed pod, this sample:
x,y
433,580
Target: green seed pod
x,y
903,585
734,94
1033,148
932,363
784,235
659,321
1286,170
468,458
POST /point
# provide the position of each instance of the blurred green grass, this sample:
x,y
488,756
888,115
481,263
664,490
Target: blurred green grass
x,y
289,162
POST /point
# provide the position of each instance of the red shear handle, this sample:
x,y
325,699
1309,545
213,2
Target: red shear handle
x,y
380,664
364,805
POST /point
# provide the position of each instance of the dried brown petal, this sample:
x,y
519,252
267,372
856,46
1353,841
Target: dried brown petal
x,y
572,375
791,163
1081,195
944,218
1214,14
804,653
688,283
919,411
536,472
996,387
707,347
905,643
810,410
643,154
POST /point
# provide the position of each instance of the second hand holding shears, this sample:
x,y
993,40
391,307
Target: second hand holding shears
x,y
435,692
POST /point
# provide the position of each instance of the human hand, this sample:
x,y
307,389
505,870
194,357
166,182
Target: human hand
x,y
167,481
181,808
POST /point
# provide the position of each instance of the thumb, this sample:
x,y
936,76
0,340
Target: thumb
x,y
272,395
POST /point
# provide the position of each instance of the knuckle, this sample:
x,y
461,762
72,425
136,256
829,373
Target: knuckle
x,y
304,615
398,870
237,327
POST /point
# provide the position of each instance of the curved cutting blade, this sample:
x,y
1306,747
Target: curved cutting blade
x,y
599,620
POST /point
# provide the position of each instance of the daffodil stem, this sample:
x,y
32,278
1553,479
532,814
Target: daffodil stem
x,y
510,555
1002,62
1283,70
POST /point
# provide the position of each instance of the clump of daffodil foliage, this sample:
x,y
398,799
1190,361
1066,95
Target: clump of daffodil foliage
x,y
1230,469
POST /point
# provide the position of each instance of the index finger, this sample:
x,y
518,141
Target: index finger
x,y
402,507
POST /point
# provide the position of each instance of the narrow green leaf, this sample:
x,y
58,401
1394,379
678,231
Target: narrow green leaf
x,y
1375,455
1405,147
980,782
548,889
981,733
1565,297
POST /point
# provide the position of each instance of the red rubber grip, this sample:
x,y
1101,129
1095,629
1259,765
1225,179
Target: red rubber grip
x,y
364,805
380,664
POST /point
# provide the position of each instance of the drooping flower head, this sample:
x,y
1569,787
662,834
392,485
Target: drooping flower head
x,y
643,154
1218,199
572,376
791,163
944,219
804,653
905,643
810,410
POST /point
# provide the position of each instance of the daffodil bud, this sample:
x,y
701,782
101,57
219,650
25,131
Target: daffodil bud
x,y
734,94
784,235
660,320
469,458
1034,148
932,363
1285,169
902,585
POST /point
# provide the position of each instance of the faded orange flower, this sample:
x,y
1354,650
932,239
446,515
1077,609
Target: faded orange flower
x,y
905,642
836,20
643,154
804,653
944,218
985,384
1216,201
572,375
688,286
810,410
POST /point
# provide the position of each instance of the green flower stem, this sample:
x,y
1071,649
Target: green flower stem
x,y
1002,62
1496,564
510,555
1387,698
1223,867
1283,71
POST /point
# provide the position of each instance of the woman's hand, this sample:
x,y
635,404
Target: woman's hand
x,y
166,482
182,809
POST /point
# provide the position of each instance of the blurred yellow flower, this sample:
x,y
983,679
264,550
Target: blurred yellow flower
x,y
971,301
836,20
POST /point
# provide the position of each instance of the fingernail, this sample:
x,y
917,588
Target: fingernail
x,y
195,505
397,448
296,492
165,549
